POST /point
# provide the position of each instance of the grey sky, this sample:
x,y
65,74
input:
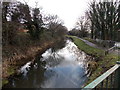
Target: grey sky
x,y
67,10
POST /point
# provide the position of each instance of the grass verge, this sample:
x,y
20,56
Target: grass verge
x,y
88,49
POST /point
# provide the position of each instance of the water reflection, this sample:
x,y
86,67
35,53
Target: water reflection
x,y
67,70
59,45
64,68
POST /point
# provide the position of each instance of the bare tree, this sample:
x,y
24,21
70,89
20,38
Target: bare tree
x,y
83,26
53,23
105,19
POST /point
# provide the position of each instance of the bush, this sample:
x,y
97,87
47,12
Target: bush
x,y
9,32
22,39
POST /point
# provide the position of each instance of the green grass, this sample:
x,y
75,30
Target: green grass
x,y
105,63
88,49
10,71
4,81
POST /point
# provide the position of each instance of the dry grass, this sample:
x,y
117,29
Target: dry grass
x,y
12,63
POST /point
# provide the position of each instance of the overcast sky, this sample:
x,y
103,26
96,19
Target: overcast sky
x,y
67,10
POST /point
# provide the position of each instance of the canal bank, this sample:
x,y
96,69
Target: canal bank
x,y
65,67
54,69
104,62
11,65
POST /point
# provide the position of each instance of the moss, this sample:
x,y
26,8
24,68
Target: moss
x,y
4,81
10,71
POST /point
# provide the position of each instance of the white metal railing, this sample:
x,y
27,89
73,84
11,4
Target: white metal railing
x,y
109,79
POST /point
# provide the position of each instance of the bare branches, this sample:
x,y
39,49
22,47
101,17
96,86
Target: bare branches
x,y
104,19
26,2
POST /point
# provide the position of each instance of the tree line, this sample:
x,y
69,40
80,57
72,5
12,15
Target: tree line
x,y
102,21
17,16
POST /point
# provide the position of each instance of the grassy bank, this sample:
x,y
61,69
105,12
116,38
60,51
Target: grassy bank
x,y
104,62
98,53
11,64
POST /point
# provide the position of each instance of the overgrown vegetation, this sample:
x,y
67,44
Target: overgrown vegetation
x,y
104,64
24,26
26,32
20,18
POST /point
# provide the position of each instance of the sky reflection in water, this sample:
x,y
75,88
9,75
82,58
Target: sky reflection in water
x,y
64,68
70,71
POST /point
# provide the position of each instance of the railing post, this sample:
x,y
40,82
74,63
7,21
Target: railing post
x,y
118,76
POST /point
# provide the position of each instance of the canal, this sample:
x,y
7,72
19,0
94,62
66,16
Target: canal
x,y
61,68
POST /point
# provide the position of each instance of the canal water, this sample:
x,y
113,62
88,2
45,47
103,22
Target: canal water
x,y
62,68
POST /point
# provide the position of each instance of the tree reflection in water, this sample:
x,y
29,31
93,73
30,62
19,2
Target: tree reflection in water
x,y
54,58
60,66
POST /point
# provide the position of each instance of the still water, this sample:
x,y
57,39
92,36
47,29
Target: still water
x,y
62,68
